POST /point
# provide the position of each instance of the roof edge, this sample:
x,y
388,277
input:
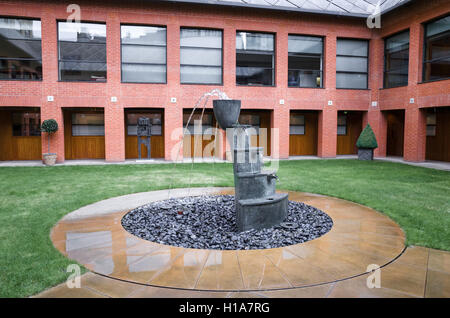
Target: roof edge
x,y
271,8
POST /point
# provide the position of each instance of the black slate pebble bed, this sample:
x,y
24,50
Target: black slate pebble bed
x,y
208,222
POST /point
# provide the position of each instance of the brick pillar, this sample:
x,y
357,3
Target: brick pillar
x,y
280,114
280,133
327,141
327,126
415,135
415,119
173,134
51,110
173,114
114,113
374,116
377,121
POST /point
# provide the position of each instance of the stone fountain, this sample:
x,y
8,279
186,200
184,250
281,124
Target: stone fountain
x,y
257,204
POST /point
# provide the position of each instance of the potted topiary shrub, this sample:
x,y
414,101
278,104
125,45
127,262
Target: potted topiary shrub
x,y
49,126
366,143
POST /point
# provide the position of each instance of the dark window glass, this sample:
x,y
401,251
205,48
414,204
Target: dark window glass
x,y
253,120
342,125
352,63
396,60
201,56
88,124
82,51
143,54
20,49
255,59
436,63
26,124
297,125
155,120
204,121
305,61
431,124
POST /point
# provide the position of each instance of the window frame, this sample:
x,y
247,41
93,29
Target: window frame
x,y
146,45
197,47
431,125
346,124
322,55
274,59
357,56
59,52
385,60
86,113
24,59
191,127
304,124
424,61
143,113
24,112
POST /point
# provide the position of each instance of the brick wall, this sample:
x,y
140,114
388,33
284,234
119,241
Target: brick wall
x,y
174,16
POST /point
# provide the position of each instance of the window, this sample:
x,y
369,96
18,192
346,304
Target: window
x,y
26,124
431,124
155,120
200,56
297,124
82,51
352,64
396,60
342,125
305,61
20,49
436,64
253,120
255,59
143,54
197,119
89,124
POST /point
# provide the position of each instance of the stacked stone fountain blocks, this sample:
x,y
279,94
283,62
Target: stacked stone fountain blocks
x,y
258,206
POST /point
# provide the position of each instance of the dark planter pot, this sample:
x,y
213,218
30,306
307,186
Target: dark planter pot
x,y
365,154
226,112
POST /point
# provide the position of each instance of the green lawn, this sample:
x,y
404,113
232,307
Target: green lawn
x,y
33,199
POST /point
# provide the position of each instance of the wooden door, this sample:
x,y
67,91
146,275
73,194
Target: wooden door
x,y
156,140
395,133
19,135
86,146
346,141
438,136
303,134
203,144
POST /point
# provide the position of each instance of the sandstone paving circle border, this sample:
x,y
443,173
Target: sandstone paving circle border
x,y
360,236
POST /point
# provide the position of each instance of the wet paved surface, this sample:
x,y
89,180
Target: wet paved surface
x,y
334,265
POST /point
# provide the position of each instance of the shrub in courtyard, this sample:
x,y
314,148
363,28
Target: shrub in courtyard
x,y
366,143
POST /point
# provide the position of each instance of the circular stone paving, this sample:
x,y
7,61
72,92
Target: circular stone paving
x,y
209,222
359,237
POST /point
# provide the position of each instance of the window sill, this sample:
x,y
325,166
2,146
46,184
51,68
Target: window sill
x,y
95,82
384,88
21,80
152,83
355,89
306,87
436,80
205,84
244,85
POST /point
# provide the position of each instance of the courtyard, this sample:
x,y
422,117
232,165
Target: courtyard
x,y
414,199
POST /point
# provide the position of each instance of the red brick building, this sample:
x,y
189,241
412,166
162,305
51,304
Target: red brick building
x,y
317,76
